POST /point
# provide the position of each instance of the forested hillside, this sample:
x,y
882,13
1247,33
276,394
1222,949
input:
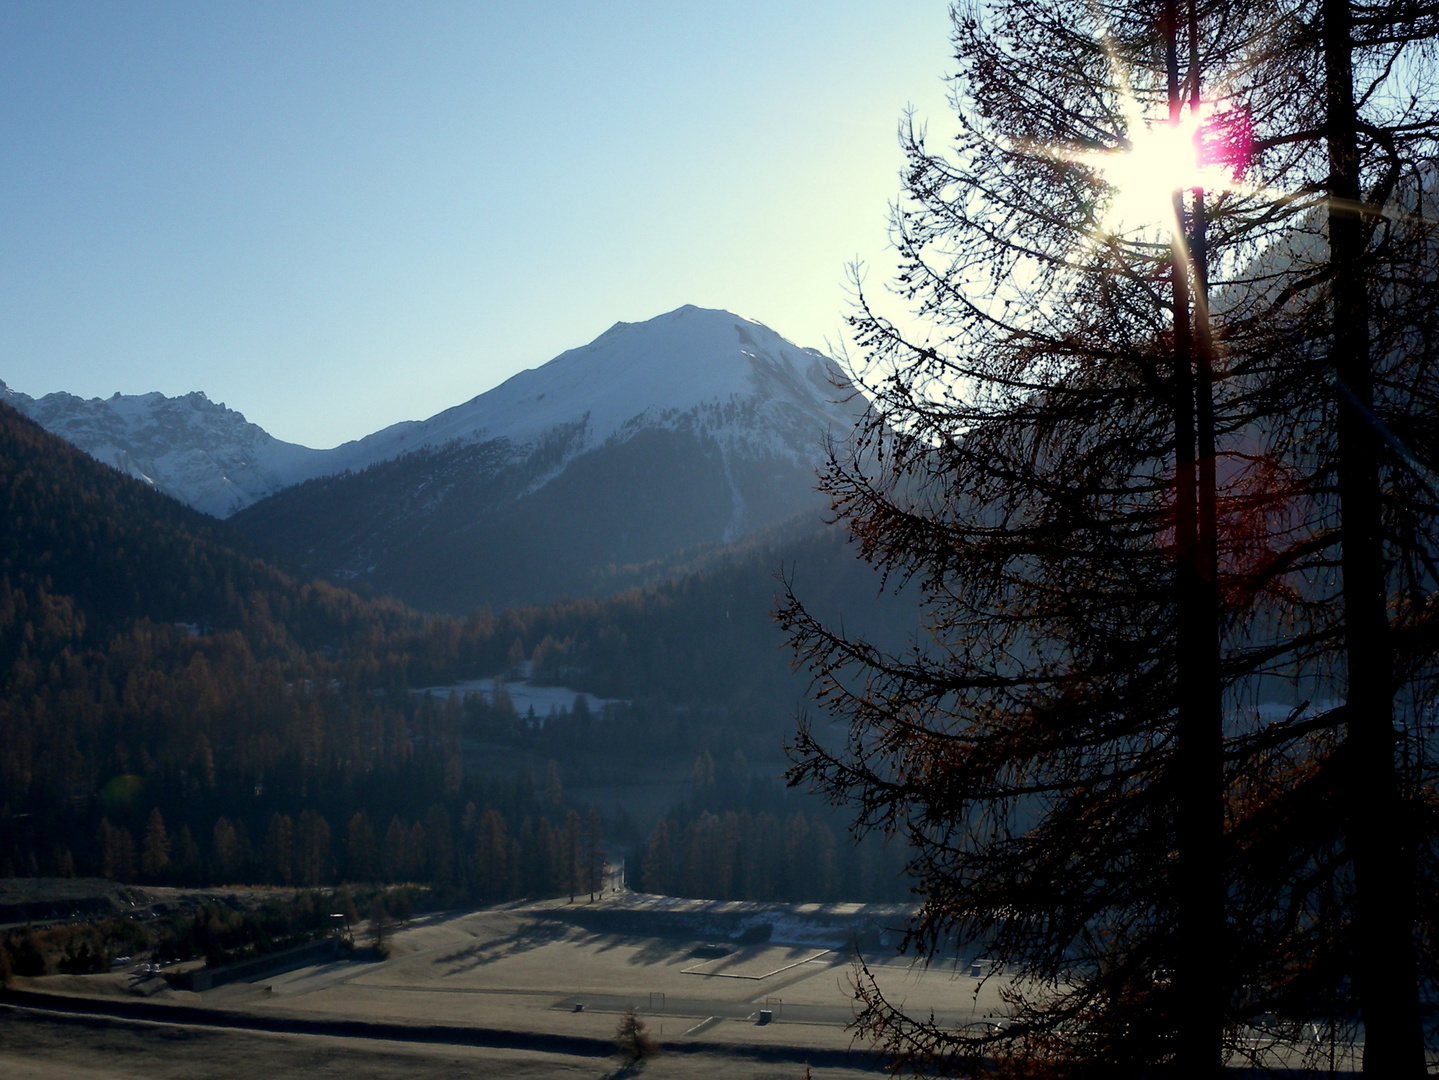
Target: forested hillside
x,y
708,635
175,711
452,528
144,665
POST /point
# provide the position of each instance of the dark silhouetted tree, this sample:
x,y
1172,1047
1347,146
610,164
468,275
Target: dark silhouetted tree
x,y
1127,495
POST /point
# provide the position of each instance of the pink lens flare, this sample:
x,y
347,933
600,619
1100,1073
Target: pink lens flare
x,y
1224,138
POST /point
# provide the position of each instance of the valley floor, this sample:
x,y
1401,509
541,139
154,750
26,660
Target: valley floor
x,y
520,990
520,979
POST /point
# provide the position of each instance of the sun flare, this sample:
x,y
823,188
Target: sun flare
x,y
1205,149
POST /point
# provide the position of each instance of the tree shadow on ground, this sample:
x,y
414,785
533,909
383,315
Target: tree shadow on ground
x,y
533,936
649,949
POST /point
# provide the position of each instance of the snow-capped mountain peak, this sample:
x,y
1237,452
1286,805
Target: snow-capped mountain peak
x,y
734,379
657,373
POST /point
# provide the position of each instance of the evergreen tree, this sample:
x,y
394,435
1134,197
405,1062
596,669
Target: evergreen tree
x,y
441,845
279,849
395,859
632,1037
155,854
491,855
185,856
117,852
1357,44
312,844
1103,476
571,860
361,854
224,851
594,853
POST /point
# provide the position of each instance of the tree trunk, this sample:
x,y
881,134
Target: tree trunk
x,y
1198,788
1385,973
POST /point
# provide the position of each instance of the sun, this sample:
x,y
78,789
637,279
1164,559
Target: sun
x,y
1206,149
1161,159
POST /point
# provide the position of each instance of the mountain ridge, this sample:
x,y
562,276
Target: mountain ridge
x,y
695,367
656,440
202,453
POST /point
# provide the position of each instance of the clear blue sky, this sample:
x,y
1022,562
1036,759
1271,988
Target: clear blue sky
x,y
334,216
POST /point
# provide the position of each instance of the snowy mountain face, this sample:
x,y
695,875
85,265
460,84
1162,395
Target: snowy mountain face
x,y
191,448
692,369
711,373
661,438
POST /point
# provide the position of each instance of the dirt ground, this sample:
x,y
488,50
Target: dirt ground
x,y
44,1048
34,1047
